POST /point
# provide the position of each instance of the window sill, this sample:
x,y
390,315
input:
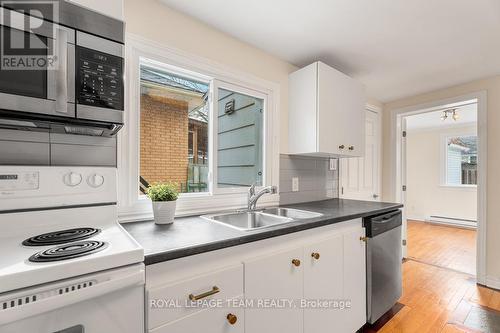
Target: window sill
x,y
192,206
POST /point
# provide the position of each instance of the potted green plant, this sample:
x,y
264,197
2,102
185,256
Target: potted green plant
x,y
164,197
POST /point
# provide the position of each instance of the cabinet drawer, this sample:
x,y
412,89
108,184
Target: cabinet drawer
x,y
171,302
213,320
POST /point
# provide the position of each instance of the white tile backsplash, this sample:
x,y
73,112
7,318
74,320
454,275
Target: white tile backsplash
x,y
316,181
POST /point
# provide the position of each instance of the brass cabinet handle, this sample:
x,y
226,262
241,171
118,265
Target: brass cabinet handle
x,y
315,255
363,239
351,147
214,291
341,146
232,319
296,262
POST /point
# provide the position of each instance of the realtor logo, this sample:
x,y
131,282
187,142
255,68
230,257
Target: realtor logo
x,y
28,38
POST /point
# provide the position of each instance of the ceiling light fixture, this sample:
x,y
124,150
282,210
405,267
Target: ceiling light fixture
x,y
453,112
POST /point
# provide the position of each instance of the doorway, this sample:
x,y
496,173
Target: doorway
x,y
440,164
452,222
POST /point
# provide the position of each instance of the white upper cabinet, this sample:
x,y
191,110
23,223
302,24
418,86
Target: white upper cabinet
x,y
113,8
326,113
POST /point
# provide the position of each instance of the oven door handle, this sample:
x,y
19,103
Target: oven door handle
x,y
61,78
58,301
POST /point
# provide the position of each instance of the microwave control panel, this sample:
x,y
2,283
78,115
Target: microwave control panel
x,y
99,79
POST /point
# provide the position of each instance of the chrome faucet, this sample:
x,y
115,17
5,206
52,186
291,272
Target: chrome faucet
x,y
253,197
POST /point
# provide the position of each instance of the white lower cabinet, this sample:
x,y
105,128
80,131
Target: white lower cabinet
x,y
323,280
354,280
327,284
323,273
277,277
211,320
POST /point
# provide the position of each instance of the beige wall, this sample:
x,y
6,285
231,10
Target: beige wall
x,y
492,87
152,20
425,195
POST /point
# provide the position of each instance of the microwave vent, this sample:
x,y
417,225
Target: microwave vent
x,y
83,131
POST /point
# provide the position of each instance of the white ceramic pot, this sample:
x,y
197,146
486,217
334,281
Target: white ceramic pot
x,y
164,211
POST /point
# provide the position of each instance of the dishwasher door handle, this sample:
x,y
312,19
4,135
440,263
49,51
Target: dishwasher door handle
x,y
386,218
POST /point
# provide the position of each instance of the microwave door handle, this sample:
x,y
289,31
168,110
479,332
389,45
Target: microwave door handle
x,y
62,71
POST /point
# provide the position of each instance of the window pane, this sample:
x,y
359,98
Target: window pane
x,y
239,139
461,160
173,130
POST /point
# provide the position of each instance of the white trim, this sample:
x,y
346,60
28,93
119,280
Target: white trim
x,y
133,207
396,117
492,282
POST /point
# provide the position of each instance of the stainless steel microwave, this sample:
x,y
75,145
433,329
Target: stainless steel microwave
x,y
85,90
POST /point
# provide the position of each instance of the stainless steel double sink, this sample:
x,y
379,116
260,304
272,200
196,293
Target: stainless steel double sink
x,y
269,217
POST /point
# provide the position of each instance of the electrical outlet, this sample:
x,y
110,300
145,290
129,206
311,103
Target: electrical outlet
x,y
295,184
333,164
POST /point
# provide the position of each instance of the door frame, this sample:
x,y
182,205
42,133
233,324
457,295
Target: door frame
x,y
397,164
378,111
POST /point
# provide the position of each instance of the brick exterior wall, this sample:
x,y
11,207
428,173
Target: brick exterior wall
x,y
164,139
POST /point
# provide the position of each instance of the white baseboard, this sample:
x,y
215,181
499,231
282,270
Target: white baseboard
x,y
493,282
463,223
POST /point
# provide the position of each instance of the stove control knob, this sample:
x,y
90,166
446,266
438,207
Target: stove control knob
x,y
95,180
72,179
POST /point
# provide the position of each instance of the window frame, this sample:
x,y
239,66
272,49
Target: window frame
x,y
131,205
444,160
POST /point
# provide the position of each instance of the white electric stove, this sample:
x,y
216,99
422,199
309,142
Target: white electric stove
x,y
64,255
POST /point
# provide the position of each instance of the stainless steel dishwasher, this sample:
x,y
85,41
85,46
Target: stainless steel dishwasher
x,y
383,263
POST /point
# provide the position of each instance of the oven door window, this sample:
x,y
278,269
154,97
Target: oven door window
x,y
25,82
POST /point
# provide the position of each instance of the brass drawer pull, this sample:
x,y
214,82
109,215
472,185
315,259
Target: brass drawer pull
x,y
232,319
351,147
341,147
315,255
296,262
214,291
364,239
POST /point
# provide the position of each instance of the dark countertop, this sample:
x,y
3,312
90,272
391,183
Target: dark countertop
x,y
193,235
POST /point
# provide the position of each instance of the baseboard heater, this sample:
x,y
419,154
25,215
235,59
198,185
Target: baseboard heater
x,y
465,223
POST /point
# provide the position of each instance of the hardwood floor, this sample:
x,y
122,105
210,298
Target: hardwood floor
x,y
449,247
438,299
440,293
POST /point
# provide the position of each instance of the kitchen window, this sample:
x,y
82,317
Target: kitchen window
x,y
210,131
460,162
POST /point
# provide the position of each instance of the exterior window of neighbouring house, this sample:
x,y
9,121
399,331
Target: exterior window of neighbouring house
x,y
179,124
461,160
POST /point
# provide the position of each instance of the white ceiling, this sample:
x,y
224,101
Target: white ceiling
x,y
397,48
432,120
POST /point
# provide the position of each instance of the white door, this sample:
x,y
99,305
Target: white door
x,y
360,177
323,279
280,277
